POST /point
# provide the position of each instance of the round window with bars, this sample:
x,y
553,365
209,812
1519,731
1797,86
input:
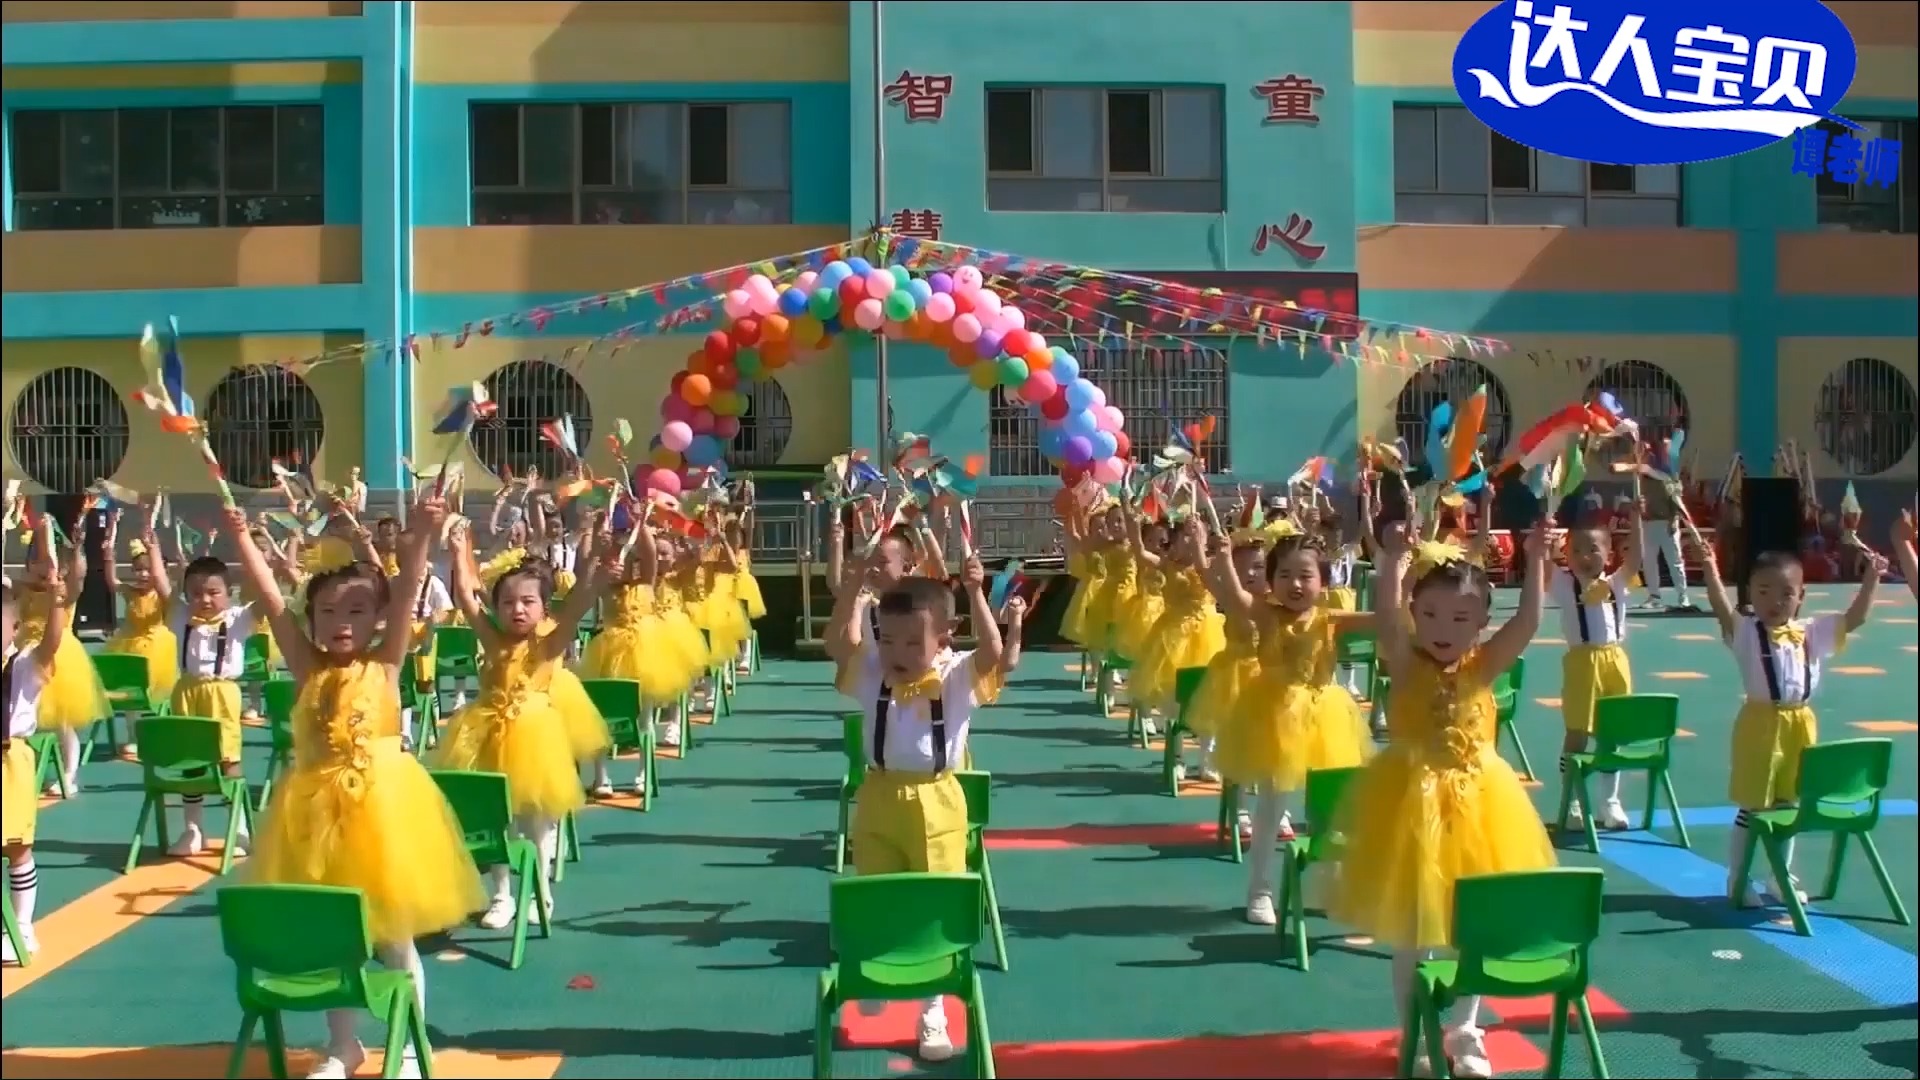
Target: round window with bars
x,y
260,414
1160,390
1453,379
1653,399
1865,416
67,429
527,396
765,427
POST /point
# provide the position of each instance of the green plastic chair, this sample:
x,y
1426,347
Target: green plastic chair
x,y
480,802
12,925
1319,844
277,697
630,723
456,654
1357,650
720,677
1507,688
853,740
128,681
1185,682
1518,935
1841,787
46,763
180,755
978,787
1631,733
424,700
255,666
903,937
326,965
1363,585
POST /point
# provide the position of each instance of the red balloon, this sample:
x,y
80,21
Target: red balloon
x,y
852,291
724,376
1054,408
962,303
1122,445
746,331
1017,343
673,384
719,347
1071,474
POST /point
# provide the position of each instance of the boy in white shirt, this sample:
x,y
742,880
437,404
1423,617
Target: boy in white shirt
x,y
213,633
1593,621
21,680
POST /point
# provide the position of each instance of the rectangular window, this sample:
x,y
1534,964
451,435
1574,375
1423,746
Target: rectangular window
x,y
1871,208
1449,169
228,166
1085,149
1159,390
643,163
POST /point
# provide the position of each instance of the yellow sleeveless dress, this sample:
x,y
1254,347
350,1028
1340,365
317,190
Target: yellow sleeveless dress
x,y
726,621
747,588
637,642
515,727
357,811
1189,634
143,631
1088,570
1119,580
1133,620
1235,665
1436,805
73,696
1292,717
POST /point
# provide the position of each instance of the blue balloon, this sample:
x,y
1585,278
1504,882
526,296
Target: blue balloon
x,y
1080,423
703,451
1053,441
1079,395
831,326
1065,367
1104,445
793,303
920,291
835,273
859,266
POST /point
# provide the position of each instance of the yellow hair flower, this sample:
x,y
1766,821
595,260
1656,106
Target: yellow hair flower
x,y
501,565
1431,555
1280,529
325,555
391,564
136,549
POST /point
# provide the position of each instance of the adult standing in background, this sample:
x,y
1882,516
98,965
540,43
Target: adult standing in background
x,y
1660,539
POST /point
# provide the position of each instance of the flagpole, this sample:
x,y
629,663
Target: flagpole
x,y
881,399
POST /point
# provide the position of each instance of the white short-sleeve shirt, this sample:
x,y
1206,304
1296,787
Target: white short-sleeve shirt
x,y
562,555
216,650
434,599
25,680
908,741
1591,624
1784,673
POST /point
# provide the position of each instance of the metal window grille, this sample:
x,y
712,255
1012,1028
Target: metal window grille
x,y
260,414
1453,379
527,394
1651,397
1865,416
1870,208
1159,389
68,429
765,427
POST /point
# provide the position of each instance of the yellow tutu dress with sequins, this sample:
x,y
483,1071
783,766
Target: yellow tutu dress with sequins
x,y
357,811
747,588
1119,581
726,619
73,696
516,727
1133,620
143,631
1292,716
1228,673
587,730
636,641
670,603
1189,634
1088,570
1436,805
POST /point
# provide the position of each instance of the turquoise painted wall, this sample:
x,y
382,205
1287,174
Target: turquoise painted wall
x,y
1270,171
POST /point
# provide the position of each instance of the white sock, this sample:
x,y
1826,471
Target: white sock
x,y
70,754
1614,794
501,882
1466,1011
546,836
406,957
1786,856
600,774
406,726
343,1034
1267,808
194,809
23,880
934,1014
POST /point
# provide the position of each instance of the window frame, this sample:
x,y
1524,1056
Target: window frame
x,y
1037,94
579,192
223,193
1166,377
1493,196
1906,216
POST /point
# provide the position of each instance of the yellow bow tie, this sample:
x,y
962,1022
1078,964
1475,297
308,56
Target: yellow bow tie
x,y
1789,634
1599,591
926,687
207,620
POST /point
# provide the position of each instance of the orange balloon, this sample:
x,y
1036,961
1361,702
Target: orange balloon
x,y
697,389
773,328
962,355
698,363
919,327
1039,360
776,354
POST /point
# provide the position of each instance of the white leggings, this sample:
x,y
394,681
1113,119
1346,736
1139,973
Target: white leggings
x,y
545,833
1466,1011
342,1024
1269,807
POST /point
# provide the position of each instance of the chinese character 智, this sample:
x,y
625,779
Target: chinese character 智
x,y
925,96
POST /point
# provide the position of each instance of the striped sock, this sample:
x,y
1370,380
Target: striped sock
x,y
23,878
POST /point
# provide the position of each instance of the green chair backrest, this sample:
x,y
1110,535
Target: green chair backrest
x,y
1363,585
1625,719
456,643
1531,915
1325,788
1185,682
1511,680
978,787
617,699
294,929
1355,648
278,697
177,742
1837,777
853,726
485,812
122,672
255,650
905,920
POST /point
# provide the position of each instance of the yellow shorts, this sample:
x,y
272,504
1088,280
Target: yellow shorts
x,y
212,699
1589,673
19,794
909,822
1768,740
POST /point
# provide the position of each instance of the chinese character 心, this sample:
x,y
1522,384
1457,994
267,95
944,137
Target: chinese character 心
x,y
925,96
917,224
1291,99
1292,236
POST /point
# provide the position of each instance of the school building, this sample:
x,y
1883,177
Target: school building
x,y
298,178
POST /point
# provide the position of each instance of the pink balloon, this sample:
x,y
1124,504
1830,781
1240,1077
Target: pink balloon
x,y
1039,343
701,421
726,427
765,302
1011,318
664,480
759,283
674,407
894,331
986,307
805,281
737,304
939,307
677,436
1111,419
967,280
1039,386
966,329
1109,470
868,314
880,284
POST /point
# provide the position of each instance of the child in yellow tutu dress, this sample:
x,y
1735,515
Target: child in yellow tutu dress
x,y
1189,632
143,629
1119,581
356,810
639,641
746,588
1238,661
515,726
726,617
1086,564
1438,803
73,697
1291,717
586,728
25,677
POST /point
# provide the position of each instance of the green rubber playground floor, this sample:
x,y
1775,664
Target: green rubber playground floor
x,y
689,939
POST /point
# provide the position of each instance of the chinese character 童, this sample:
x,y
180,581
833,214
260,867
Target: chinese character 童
x,y
1290,99
1880,163
925,96
1712,86
1627,43
917,224
1786,84
1557,42
1810,152
1843,157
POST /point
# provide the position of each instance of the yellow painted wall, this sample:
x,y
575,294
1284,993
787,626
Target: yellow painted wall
x,y
515,42
130,259
155,459
583,259
1703,365
1805,364
630,383
182,76
25,11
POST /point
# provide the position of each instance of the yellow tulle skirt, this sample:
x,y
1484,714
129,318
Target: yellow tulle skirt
x,y
747,588
161,647
1104,607
526,739
726,625
1176,642
1074,625
666,657
386,831
1133,623
1279,729
1338,598
586,728
1230,670
1414,824
73,696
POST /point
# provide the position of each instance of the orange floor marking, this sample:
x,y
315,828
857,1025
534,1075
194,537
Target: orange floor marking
x,y
1901,621
1549,641
1549,702
619,800
1857,670
1682,733
1886,727
1208,788
1679,676
1910,648
1694,637
188,1062
662,751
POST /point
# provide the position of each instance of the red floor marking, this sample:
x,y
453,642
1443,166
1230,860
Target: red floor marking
x,y
1325,1055
1536,1013
1077,836
894,1025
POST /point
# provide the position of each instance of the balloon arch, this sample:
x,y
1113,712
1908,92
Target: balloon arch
x,y
772,325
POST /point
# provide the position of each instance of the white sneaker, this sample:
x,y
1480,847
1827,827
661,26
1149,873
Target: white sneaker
x,y
1260,910
670,733
1466,1049
1614,816
1210,775
1286,827
541,914
935,1044
340,1063
409,1066
640,784
1574,816
601,789
1147,725
499,914
1179,774
189,843
1244,822
54,791
27,942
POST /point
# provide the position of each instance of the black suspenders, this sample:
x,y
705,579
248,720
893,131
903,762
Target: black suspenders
x,y
219,648
936,709
6,686
1768,658
1580,609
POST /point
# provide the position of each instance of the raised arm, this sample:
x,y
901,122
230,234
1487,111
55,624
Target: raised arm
x,y
1635,559
1862,606
110,543
602,566
60,614
1016,609
1903,553
1513,637
465,585
295,645
425,523
989,651
843,633
157,566
1717,599
1389,603
1137,543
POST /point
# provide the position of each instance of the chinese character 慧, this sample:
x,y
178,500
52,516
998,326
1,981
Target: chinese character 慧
x,y
917,224
925,96
1290,99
